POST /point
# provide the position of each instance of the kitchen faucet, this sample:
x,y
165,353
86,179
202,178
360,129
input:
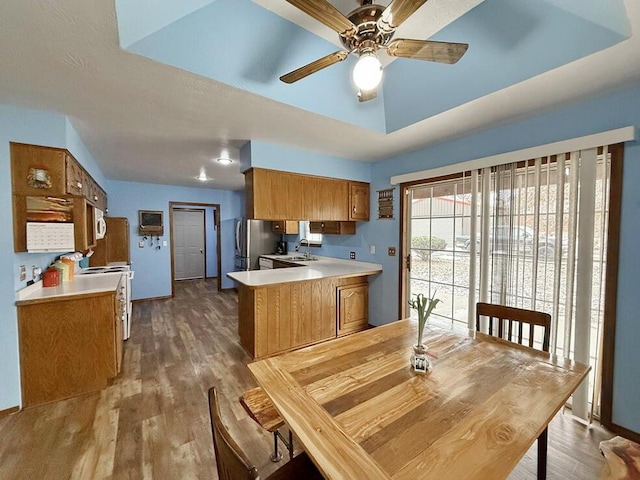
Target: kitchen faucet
x,y
307,254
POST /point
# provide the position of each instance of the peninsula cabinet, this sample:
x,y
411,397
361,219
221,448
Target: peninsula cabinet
x,y
277,195
353,301
69,345
276,318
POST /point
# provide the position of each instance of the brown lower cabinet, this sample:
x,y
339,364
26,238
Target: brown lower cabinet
x,y
276,318
68,346
353,308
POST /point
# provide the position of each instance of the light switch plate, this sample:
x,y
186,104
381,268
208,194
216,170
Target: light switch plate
x,y
141,244
392,251
164,243
23,273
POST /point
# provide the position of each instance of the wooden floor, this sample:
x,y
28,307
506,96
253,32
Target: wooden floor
x,y
153,421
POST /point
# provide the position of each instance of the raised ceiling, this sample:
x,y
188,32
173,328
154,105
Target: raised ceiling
x,y
157,89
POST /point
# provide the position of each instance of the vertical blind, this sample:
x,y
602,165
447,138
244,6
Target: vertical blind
x,y
536,240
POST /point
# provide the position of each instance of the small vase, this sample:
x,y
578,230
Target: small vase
x,y
419,359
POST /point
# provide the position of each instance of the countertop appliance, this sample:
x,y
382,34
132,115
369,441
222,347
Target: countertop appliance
x,y
253,238
281,247
101,224
124,295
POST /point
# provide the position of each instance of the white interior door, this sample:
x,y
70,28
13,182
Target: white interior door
x,y
188,244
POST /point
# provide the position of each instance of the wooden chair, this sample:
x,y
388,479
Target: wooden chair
x,y
261,410
511,323
233,464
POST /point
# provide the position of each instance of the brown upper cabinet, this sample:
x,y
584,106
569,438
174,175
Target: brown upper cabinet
x,y
289,227
358,201
49,185
38,171
276,195
335,228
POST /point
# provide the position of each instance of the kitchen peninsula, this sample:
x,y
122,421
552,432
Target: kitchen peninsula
x,y
314,300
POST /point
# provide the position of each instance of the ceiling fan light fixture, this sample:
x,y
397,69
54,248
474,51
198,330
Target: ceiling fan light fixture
x,y
367,72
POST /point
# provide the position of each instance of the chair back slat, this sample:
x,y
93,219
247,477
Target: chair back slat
x,y
517,319
231,461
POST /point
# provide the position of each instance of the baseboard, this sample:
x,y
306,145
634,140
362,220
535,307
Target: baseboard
x,y
151,299
624,432
9,411
229,289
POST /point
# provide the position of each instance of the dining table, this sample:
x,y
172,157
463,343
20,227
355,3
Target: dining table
x,y
360,411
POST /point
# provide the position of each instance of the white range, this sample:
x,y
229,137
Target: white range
x,y
125,271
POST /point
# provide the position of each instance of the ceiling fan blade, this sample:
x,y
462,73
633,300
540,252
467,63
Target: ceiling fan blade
x,y
397,12
326,13
366,95
314,67
441,52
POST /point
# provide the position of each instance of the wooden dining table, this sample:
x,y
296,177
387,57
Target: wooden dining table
x,y
361,412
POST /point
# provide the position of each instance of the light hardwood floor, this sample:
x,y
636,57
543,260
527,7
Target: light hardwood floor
x,y
153,421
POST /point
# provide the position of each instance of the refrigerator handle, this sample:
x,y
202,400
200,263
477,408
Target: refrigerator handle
x,y
238,225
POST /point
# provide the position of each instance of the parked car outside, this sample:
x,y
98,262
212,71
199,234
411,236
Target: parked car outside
x,y
519,238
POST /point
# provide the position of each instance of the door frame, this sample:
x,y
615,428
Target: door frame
x,y
202,211
173,205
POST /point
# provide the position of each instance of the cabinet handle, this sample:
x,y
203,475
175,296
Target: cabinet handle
x,y
354,209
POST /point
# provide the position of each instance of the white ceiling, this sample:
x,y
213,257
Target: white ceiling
x,y
148,122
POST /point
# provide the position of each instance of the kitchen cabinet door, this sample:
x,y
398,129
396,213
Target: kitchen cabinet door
x,y
66,347
75,176
37,170
333,228
353,308
288,227
333,199
358,201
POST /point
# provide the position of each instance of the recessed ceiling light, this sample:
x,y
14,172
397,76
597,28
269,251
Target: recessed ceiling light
x,y
224,161
203,177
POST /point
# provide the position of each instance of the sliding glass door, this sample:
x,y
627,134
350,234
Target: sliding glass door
x,y
531,234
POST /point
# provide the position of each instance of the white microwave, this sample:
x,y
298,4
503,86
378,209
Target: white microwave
x,y
101,224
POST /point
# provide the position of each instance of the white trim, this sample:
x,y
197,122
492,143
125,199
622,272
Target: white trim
x,y
624,134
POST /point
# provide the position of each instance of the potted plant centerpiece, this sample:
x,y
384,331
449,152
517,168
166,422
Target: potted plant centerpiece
x,y
424,306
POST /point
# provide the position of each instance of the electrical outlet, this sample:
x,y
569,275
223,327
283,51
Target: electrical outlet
x,y
23,273
391,251
372,249
164,243
352,255
141,244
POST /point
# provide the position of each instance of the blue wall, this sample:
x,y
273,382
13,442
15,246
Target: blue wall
x,y
152,266
39,128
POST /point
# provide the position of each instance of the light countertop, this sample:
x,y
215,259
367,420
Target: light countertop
x,y
323,267
80,285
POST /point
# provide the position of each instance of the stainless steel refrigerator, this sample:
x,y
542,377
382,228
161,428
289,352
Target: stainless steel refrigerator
x,y
253,238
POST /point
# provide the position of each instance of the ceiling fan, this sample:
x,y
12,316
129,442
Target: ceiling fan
x,y
366,30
